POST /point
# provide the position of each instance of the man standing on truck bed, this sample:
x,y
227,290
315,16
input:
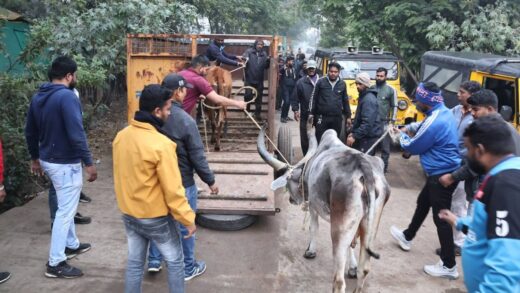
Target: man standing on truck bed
x,y
216,53
387,100
329,101
257,63
195,75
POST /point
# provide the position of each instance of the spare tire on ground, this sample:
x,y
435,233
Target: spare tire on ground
x,y
285,147
225,222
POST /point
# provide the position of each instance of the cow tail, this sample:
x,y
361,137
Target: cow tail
x,y
370,187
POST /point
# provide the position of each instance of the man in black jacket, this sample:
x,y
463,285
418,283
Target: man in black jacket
x,y
257,63
216,53
182,129
329,101
300,101
367,127
288,78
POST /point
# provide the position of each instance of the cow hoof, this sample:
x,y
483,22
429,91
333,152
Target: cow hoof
x,y
352,274
309,255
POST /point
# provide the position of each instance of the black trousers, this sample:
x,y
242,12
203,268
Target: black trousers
x,y
363,145
304,139
286,100
437,197
323,123
384,147
248,96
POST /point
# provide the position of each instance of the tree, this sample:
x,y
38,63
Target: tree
x,y
490,29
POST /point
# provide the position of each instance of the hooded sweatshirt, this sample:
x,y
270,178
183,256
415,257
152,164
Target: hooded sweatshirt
x,y
54,129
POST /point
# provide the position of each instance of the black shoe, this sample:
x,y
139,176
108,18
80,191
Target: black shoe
x,y
458,251
80,219
4,276
290,119
63,270
283,120
84,198
82,248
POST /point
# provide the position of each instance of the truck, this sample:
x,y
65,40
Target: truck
x,y
242,176
500,74
354,61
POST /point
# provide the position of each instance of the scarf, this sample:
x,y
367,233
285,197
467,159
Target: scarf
x,y
146,117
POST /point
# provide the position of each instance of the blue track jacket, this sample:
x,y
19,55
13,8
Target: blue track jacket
x,y
491,252
436,141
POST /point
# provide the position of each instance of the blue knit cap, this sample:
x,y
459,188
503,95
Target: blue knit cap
x,y
428,97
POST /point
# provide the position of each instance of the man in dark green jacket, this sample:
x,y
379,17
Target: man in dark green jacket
x,y
387,101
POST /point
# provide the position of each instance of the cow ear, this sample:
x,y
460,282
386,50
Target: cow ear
x,y
279,183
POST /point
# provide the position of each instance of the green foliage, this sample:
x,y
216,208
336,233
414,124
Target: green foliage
x,y
14,102
405,26
490,29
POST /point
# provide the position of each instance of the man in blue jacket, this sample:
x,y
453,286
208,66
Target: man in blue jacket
x,y
58,145
215,52
182,129
490,255
435,140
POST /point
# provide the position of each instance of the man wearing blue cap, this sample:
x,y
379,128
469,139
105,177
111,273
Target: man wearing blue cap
x,y
435,140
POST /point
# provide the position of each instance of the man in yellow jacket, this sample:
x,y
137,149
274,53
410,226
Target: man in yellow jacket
x,y
149,190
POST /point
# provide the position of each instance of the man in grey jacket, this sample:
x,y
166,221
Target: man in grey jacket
x,y
182,129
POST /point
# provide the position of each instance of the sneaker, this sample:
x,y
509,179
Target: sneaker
x,y
439,270
63,270
84,198
399,236
198,269
4,276
80,219
82,248
154,267
458,251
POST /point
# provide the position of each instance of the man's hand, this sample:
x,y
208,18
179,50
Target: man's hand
x,y
240,105
446,180
2,195
350,140
240,58
214,189
191,230
310,119
297,115
240,64
92,173
36,168
202,97
448,216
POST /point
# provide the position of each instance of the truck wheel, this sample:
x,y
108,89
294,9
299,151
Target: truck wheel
x,y
284,144
225,222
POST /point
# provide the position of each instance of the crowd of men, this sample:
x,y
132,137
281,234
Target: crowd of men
x,y
469,154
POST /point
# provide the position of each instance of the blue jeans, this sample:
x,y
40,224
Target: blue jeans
x,y
67,180
188,245
164,233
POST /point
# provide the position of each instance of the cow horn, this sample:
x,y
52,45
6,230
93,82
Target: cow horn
x,y
266,156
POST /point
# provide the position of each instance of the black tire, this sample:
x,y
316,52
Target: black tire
x,y
284,144
225,222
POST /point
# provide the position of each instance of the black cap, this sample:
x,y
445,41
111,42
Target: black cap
x,y
174,81
154,96
483,97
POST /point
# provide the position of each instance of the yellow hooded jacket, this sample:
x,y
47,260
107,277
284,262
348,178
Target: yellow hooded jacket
x,y
147,179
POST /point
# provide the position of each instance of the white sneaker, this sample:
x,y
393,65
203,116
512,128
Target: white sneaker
x,y
399,236
439,270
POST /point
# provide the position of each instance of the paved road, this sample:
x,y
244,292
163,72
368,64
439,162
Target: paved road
x,y
266,257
